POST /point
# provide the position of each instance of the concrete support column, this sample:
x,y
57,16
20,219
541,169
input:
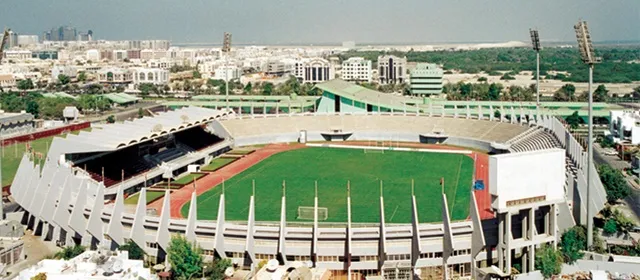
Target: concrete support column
x,y
508,242
500,242
554,225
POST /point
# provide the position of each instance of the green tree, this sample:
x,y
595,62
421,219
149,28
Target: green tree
x,y
147,88
566,93
140,113
610,227
33,108
494,91
135,252
196,74
574,120
601,94
40,276
267,89
70,252
25,84
507,77
572,242
185,258
219,266
82,76
548,261
482,79
247,89
614,183
111,119
63,79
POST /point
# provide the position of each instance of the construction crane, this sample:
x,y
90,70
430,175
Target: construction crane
x,y
5,37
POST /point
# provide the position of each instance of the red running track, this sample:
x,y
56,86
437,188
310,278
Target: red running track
x,y
180,197
483,197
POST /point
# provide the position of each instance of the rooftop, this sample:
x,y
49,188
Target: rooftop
x,y
119,135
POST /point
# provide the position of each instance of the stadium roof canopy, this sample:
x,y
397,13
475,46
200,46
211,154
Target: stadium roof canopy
x,y
363,94
121,98
119,135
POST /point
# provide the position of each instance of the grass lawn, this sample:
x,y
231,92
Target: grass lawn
x,y
12,154
186,179
332,167
151,196
218,163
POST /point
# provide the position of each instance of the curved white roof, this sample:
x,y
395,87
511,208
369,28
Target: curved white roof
x,y
120,135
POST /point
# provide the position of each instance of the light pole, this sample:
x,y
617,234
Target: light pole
x,y
587,55
535,43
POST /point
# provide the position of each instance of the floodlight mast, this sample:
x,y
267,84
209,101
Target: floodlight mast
x,y
587,54
535,43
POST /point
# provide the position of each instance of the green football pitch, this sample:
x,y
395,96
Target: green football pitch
x,y
332,168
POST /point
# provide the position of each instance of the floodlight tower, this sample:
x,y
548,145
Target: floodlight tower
x,y
588,56
535,43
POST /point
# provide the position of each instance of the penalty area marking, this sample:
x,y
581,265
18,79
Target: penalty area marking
x,y
403,149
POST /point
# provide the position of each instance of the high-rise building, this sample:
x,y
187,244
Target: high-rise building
x,y
356,69
226,43
391,69
426,79
62,33
12,41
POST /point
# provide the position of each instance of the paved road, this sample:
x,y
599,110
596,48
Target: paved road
x,y
633,201
123,114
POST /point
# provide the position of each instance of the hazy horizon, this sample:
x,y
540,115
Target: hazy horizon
x,y
290,22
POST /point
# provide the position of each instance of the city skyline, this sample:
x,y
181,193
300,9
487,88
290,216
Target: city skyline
x,y
290,22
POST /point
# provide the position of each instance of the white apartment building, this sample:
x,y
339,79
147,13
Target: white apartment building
x,y
93,55
96,265
67,70
314,70
17,54
27,40
625,126
227,72
356,69
162,63
115,76
392,69
154,76
119,55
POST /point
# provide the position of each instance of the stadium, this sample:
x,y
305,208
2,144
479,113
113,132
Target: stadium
x,y
363,184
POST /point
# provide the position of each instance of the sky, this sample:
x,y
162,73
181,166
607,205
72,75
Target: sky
x,y
328,21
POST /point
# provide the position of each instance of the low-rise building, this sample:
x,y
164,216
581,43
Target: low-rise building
x,y
7,81
314,70
115,76
96,265
17,54
425,79
154,76
356,69
625,126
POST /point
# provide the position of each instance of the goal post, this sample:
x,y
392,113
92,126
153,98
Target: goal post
x,y
376,147
306,213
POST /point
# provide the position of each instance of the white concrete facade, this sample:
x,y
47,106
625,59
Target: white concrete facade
x,y
392,69
314,70
625,126
154,76
356,69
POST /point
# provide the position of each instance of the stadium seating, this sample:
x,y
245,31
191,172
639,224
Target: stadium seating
x,y
196,138
466,128
534,139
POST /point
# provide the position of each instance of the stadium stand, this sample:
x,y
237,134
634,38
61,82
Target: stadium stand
x,y
536,138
